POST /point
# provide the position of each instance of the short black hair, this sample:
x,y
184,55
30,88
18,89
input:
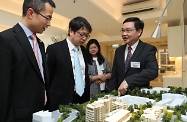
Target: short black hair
x,y
79,22
37,5
138,24
100,57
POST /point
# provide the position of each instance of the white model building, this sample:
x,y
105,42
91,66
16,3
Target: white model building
x,y
157,89
164,102
177,102
171,100
131,100
42,116
172,96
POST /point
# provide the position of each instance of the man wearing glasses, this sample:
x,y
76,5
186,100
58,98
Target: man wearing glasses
x,y
135,63
68,71
23,72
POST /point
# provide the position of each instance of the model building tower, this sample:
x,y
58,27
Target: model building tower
x,y
107,103
95,112
152,114
118,116
118,105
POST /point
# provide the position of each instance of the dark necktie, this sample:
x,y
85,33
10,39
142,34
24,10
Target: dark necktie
x,y
129,54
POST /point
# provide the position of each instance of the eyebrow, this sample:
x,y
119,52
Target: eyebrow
x,y
125,28
49,16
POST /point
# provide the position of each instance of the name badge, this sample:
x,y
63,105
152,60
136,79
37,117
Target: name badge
x,y
135,64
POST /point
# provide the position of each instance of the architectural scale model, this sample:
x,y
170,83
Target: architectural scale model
x,y
108,109
114,109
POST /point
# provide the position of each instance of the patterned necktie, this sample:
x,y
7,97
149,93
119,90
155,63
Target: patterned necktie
x,y
129,54
79,83
33,37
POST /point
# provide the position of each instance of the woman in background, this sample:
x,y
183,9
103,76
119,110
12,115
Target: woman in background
x,y
98,68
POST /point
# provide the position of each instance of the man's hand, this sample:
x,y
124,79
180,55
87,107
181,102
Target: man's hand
x,y
122,89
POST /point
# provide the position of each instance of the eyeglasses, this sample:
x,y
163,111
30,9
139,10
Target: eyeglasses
x,y
126,30
83,35
47,18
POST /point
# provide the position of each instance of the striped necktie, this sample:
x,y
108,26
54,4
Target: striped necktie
x,y
129,54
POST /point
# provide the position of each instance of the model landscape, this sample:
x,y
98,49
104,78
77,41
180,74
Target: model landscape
x,y
140,105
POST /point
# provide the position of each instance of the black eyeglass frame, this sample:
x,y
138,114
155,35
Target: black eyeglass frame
x,y
83,35
47,18
127,30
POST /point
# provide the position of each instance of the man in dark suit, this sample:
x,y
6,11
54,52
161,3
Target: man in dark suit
x,y
61,62
22,74
135,63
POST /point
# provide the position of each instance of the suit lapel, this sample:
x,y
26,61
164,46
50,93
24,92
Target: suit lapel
x,y
66,53
24,42
121,58
136,53
42,50
84,55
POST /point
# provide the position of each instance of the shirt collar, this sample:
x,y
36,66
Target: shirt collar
x,y
25,29
133,46
70,45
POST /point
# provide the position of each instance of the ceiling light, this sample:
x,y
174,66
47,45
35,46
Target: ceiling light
x,y
157,32
115,46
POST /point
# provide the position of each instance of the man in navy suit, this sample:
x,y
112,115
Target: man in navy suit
x,y
23,74
135,63
60,59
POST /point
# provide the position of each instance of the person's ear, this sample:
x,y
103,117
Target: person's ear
x,y
30,12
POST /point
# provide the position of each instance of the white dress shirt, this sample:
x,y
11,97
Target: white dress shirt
x,y
81,58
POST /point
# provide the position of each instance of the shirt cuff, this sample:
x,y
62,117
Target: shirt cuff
x,y
126,84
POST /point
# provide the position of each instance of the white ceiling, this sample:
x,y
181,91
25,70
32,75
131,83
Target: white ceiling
x,y
104,15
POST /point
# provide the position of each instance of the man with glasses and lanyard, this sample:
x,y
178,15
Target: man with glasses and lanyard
x,y
67,62
23,72
135,63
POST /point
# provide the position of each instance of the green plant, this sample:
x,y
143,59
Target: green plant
x,y
167,116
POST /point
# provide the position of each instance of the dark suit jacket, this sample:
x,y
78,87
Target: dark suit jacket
x,y
62,81
135,77
21,84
